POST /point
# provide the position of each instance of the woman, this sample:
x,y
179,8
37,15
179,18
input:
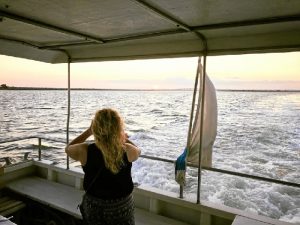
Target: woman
x,y
107,170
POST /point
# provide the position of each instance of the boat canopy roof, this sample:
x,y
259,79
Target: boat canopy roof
x,y
59,31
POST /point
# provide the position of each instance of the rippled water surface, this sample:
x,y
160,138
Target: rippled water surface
x,y
258,133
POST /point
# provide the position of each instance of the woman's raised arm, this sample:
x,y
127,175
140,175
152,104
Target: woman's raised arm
x,y
77,149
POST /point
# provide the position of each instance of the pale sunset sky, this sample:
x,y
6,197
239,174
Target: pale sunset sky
x,y
253,71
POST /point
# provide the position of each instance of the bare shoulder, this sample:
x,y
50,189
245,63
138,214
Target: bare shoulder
x,y
78,152
132,152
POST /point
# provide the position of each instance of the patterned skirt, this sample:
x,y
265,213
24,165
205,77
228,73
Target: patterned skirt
x,y
108,212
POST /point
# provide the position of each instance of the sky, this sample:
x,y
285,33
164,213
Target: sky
x,y
279,71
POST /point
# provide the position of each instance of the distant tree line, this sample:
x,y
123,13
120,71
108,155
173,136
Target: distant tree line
x,y
4,86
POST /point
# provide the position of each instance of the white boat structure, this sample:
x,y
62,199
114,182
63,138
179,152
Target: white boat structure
x,y
68,31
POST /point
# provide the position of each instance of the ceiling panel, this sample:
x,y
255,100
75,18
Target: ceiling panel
x,y
33,34
196,13
102,19
132,29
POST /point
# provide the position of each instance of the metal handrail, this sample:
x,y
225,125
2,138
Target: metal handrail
x,y
255,177
32,137
271,180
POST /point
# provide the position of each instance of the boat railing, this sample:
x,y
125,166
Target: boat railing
x,y
31,137
223,171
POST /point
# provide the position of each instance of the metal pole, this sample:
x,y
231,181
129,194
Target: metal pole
x,y
191,116
40,149
201,98
193,103
7,161
69,105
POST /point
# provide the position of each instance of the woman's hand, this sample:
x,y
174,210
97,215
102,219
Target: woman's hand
x,y
125,137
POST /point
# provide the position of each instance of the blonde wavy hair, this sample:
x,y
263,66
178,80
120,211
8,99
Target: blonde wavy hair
x,y
108,131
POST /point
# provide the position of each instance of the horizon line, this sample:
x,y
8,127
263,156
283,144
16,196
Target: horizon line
x,y
143,89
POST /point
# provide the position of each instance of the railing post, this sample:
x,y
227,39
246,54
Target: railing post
x,y
26,156
180,191
40,149
7,161
191,117
201,100
69,106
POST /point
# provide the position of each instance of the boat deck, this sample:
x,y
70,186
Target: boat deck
x,y
66,198
61,189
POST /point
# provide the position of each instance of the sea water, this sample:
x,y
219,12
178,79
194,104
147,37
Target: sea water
x,y
258,133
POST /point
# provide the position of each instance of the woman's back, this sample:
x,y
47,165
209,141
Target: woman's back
x,y
107,184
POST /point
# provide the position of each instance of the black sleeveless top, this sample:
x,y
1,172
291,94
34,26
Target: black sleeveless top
x,y
107,185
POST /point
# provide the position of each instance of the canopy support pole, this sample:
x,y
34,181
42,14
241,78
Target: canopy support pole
x,y
69,106
201,97
201,100
191,115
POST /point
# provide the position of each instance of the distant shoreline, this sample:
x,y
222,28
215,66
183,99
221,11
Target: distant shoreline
x,y
90,89
111,89
258,90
